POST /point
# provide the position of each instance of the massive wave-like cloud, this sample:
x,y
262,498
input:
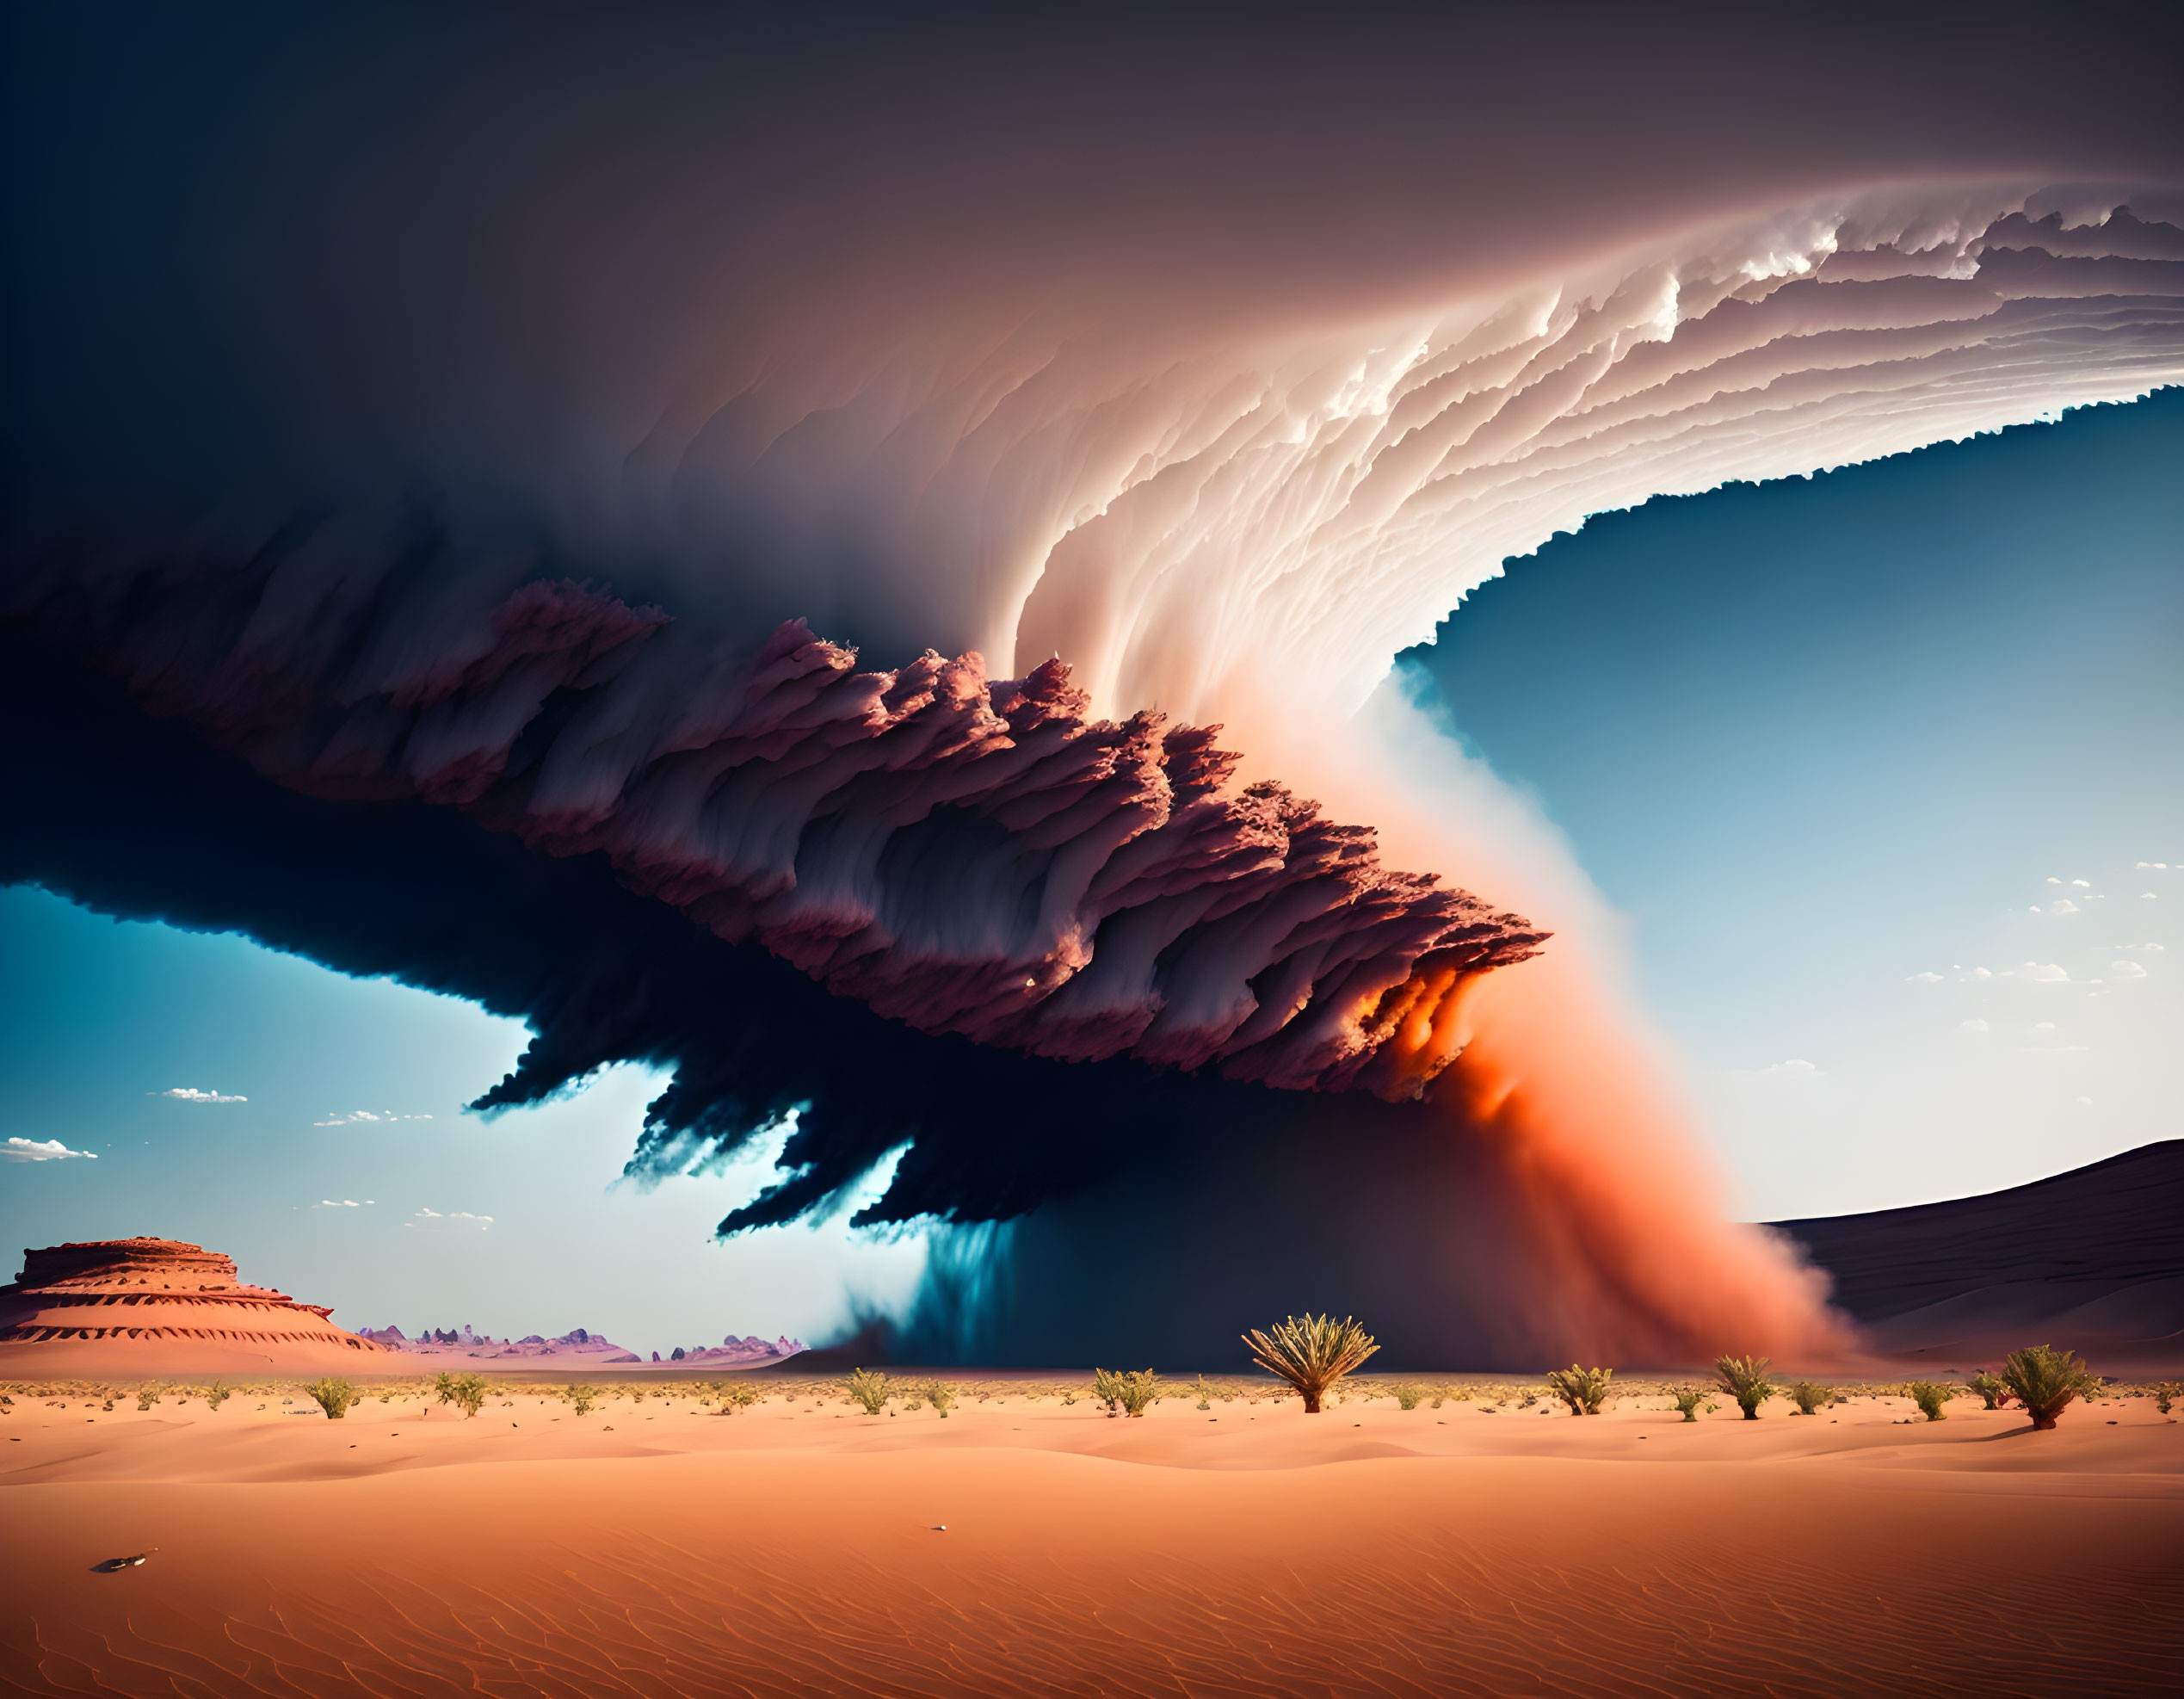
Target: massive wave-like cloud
x,y
551,544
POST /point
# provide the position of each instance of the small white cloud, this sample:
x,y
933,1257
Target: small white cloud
x,y
1976,976
2085,1100
2062,906
2035,909
2083,885
2156,948
40,1150
1924,979
341,1203
190,1094
482,1221
2126,970
355,1116
2048,975
1972,1026
2055,881
2148,897
2044,1026
1796,1068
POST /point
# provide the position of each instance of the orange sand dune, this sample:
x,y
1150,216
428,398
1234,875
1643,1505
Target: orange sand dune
x,y
657,1550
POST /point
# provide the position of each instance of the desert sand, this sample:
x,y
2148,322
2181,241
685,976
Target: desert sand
x,y
1024,1545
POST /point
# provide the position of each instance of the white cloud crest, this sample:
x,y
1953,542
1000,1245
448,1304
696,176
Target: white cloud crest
x,y
40,1150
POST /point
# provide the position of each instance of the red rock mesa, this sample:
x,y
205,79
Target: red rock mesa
x,y
152,1305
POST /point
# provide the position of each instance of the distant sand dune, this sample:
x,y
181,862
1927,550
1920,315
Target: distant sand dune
x,y
2094,1257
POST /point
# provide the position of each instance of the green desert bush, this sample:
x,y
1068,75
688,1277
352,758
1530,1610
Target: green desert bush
x,y
1744,1378
870,1389
737,1396
940,1395
334,1397
2044,1379
1991,1389
1811,1398
1690,1400
1205,1393
579,1398
1930,1396
146,1397
465,1392
1311,1353
1407,1396
2166,1394
1584,1390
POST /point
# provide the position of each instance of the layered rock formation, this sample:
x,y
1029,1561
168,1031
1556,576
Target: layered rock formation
x,y
147,1303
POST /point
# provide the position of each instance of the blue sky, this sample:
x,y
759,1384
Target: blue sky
x,y
99,1018
1820,737
1829,743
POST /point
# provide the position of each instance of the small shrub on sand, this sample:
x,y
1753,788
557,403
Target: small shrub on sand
x,y
2044,1379
1930,1396
1584,1390
870,1389
334,1397
1811,1398
1991,1389
145,1399
1691,1399
1407,1397
940,1395
465,1392
1744,1378
1311,1353
2165,1395
1132,1389
1207,1392
736,1396
579,1398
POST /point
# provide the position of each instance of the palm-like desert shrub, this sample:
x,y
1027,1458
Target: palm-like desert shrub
x,y
1930,1396
334,1397
870,1389
1106,1387
1744,1378
1811,1398
940,1395
1991,1389
145,1399
1690,1400
2044,1379
1311,1353
1584,1390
